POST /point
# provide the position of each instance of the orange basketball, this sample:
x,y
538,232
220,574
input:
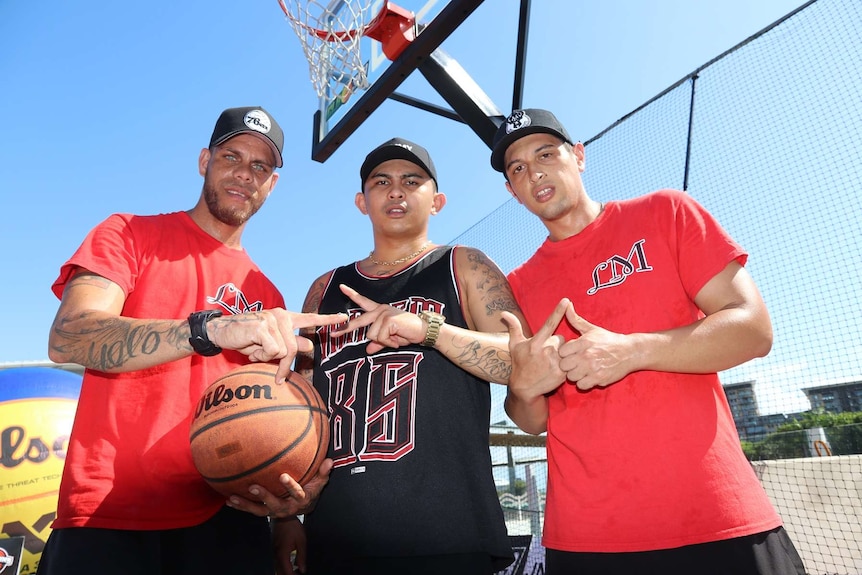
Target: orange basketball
x,y
248,430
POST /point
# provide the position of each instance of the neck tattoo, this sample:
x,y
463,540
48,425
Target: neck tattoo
x,y
399,260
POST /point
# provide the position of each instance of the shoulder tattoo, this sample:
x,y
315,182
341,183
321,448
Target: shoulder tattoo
x,y
490,283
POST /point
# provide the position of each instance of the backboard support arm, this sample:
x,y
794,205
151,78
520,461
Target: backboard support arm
x,y
521,55
461,92
419,50
470,104
426,106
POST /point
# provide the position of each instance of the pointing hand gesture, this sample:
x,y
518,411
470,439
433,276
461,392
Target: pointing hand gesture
x,y
597,358
387,326
269,335
536,361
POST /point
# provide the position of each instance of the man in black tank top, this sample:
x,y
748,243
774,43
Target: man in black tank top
x,y
407,385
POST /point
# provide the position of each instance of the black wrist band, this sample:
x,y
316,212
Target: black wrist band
x,y
199,340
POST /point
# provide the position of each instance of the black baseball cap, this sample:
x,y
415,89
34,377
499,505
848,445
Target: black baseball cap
x,y
398,149
522,123
249,120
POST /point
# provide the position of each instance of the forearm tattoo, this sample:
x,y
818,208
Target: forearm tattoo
x,y
111,343
495,365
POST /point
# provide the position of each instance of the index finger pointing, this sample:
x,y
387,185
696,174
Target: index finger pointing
x,y
300,320
550,325
359,299
357,322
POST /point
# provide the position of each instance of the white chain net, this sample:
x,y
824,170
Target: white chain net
x,y
330,34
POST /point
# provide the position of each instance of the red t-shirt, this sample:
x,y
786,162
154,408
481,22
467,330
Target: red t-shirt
x,y
653,461
129,464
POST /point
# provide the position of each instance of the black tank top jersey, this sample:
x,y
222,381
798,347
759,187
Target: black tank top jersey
x,y
409,432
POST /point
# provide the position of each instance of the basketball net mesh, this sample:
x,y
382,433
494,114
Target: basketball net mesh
x,y
330,34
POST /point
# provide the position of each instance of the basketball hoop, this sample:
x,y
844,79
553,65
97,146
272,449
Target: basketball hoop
x,y
330,34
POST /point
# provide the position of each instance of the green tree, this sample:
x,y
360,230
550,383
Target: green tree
x,y
843,433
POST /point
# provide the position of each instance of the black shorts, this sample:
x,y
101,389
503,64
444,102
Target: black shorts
x,y
230,542
768,553
454,564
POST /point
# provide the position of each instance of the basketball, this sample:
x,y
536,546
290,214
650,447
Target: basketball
x,y
247,430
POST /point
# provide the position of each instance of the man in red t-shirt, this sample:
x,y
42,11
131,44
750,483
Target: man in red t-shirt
x,y
646,473
156,308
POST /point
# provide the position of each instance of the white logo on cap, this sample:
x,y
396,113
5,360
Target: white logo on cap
x,y
517,121
405,146
258,121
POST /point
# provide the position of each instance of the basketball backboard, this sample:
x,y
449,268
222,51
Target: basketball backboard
x,y
344,105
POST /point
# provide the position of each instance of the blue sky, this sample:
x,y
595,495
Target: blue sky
x,y
107,105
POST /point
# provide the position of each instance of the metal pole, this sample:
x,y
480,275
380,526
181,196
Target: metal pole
x,y
688,139
521,55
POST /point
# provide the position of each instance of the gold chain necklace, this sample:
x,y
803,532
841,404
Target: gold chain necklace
x,y
399,260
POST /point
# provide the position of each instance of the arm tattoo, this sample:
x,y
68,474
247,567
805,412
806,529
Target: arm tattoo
x,y
305,361
305,365
89,279
110,343
491,284
315,294
495,366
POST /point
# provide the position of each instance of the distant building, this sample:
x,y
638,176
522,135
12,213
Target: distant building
x,y
746,414
836,397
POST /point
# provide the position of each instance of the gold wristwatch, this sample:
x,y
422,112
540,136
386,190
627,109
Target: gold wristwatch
x,y
434,321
